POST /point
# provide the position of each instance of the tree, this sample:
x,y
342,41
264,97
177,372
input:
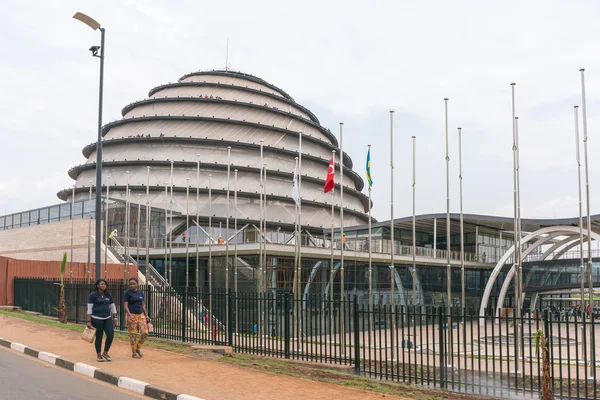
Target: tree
x,y
62,307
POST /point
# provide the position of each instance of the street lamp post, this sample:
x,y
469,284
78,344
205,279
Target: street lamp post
x,y
98,214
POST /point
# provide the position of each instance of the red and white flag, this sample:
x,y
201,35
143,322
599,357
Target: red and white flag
x,y
329,183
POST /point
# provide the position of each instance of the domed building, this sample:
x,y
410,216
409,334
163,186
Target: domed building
x,y
198,119
181,139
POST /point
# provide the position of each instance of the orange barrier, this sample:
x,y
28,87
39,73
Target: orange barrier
x,y
11,268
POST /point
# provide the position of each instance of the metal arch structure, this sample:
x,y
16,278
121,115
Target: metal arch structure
x,y
511,272
568,247
568,242
535,298
558,245
551,230
420,297
336,267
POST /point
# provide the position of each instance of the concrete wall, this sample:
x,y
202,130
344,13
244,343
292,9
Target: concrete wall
x,y
48,242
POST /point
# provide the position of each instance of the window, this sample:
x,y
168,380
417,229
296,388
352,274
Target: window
x,y
65,212
88,209
78,210
43,215
35,217
25,218
54,213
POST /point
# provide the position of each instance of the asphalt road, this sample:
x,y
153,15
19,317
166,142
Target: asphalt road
x,y
23,377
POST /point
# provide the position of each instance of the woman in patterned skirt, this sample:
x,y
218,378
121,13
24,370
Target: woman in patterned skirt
x,y
137,317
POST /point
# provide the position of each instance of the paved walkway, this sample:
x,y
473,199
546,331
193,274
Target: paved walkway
x,y
210,380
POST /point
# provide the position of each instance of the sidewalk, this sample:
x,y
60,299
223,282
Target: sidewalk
x,y
210,380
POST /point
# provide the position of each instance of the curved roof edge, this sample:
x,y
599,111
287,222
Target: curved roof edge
x,y
132,106
157,89
240,75
76,170
65,193
327,145
358,181
494,222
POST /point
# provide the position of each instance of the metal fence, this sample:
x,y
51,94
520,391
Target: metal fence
x,y
493,356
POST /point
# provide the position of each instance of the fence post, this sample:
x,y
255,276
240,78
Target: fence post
x,y
286,323
442,347
149,300
356,336
184,315
76,304
230,315
121,310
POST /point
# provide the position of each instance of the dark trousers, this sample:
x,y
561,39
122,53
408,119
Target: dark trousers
x,y
103,326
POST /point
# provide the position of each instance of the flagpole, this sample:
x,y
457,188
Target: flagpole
x,y
589,227
264,226
106,234
331,270
73,233
342,274
392,266
235,248
260,216
369,244
139,228
299,266
148,214
197,222
462,227
295,190
187,226
171,230
127,219
299,215
581,262
414,232
227,240
210,293
89,239
448,265
166,228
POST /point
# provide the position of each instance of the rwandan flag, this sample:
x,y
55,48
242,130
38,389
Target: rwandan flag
x,y
369,179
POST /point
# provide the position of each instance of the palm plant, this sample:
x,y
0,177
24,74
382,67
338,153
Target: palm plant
x,y
541,339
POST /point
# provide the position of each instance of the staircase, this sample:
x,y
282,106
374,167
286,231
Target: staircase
x,y
153,278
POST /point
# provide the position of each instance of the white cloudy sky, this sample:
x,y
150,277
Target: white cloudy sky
x,y
347,61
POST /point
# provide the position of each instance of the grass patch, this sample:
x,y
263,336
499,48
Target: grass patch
x,y
329,374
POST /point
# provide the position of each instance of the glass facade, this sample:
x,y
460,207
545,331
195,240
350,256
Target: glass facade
x,y
86,209
55,213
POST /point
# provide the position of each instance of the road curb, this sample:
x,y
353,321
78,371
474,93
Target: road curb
x,y
123,382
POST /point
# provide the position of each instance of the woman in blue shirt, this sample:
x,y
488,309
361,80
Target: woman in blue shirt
x,y
137,317
99,309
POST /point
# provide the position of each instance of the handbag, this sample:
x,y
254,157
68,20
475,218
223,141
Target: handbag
x,y
150,327
88,335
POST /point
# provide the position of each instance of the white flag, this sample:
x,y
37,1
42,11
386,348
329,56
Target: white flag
x,y
295,195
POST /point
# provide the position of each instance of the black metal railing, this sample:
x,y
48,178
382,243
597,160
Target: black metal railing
x,y
493,355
